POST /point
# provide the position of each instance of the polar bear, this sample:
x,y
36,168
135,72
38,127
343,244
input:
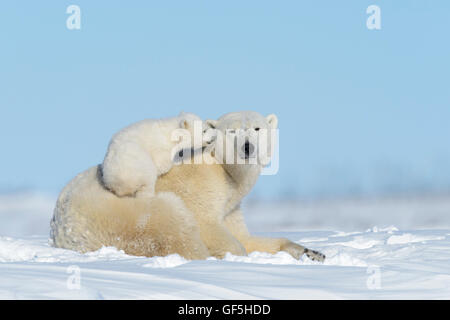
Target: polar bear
x,y
195,211
143,151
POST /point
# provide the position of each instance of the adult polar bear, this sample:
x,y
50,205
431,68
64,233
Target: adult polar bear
x,y
195,212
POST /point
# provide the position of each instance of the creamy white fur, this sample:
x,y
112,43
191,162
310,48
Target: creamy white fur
x,y
195,211
141,152
236,128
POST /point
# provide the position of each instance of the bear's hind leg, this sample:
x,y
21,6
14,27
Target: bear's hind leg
x,y
170,228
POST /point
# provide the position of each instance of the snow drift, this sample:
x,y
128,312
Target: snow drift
x,y
382,262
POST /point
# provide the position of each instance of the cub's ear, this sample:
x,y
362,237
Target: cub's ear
x,y
211,123
272,120
183,124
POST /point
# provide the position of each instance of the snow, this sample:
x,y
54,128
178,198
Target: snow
x,y
378,261
25,213
410,238
350,214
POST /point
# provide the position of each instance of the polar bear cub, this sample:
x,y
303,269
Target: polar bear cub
x,y
138,154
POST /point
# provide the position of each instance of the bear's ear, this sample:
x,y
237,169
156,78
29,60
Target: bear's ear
x,y
272,120
211,123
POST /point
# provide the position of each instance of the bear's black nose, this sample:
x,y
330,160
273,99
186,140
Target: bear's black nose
x,y
248,149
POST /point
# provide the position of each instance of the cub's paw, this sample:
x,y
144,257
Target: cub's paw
x,y
315,255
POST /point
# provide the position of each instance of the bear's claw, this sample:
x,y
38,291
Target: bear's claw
x,y
315,255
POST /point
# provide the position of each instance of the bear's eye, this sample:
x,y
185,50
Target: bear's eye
x,y
256,129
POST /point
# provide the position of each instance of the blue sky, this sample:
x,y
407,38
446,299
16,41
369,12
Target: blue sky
x,y
360,111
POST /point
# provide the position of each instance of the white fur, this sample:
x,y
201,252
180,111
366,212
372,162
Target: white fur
x,y
237,128
195,212
138,154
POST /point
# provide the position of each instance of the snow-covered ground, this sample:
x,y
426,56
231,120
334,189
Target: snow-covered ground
x,y
384,262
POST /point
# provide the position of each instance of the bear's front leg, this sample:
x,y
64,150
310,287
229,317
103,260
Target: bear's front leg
x,y
297,251
219,240
235,223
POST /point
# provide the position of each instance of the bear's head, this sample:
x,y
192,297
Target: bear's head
x,y
244,138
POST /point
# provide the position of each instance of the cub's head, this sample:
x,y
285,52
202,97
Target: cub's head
x,y
197,131
191,134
